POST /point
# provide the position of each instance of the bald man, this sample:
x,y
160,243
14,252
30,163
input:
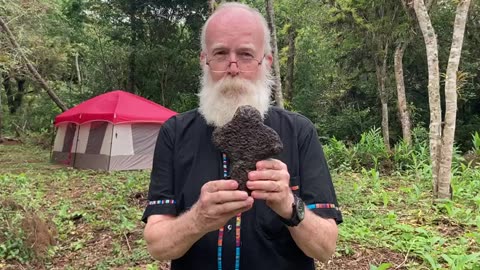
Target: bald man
x,y
195,216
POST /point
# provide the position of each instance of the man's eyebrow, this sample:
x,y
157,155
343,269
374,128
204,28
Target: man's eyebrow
x,y
218,46
246,47
243,47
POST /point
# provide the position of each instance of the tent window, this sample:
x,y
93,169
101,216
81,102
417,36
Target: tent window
x,y
144,138
95,137
69,135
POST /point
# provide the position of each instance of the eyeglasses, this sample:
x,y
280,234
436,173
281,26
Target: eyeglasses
x,y
245,63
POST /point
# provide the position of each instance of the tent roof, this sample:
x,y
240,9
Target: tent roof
x,y
116,107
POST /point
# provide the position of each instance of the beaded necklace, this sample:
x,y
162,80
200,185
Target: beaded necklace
x,y
222,229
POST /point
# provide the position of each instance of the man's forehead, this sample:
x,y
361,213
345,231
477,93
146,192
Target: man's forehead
x,y
235,20
240,26
234,14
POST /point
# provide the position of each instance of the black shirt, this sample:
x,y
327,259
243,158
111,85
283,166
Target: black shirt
x,y
185,159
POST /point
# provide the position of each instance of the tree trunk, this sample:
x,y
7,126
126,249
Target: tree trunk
x,y
433,87
132,58
7,85
131,71
292,33
1,118
1,112
14,99
32,69
20,93
444,190
277,88
79,75
402,100
381,72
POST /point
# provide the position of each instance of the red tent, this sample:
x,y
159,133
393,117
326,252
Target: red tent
x,y
116,107
113,131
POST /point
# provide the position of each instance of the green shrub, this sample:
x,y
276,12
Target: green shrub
x,y
402,155
370,152
419,135
415,157
338,155
476,144
472,157
12,237
43,138
25,234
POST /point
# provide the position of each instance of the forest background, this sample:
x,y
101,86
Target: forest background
x,y
327,55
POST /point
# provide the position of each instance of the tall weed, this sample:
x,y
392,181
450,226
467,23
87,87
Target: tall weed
x,y
402,155
472,157
476,143
339,156
370,151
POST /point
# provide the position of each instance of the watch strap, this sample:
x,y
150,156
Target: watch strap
x,y
294,220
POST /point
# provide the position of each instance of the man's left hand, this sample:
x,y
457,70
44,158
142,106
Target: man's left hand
x,y
271,182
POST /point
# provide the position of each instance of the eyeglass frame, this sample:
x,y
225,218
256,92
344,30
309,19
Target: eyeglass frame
x,y
207,62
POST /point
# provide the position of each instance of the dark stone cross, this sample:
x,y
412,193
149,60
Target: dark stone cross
x,y
246,140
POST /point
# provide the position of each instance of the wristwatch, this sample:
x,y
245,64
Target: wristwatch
x,y
298,212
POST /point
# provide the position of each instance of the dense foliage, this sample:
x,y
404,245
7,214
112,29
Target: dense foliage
x,y
86,47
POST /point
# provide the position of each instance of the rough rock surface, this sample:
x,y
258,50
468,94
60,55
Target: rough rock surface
x,y
246,140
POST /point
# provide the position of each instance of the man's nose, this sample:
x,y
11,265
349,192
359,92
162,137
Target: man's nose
x,y
233,66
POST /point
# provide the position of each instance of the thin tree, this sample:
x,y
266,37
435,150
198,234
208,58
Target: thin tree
x,y
381,72
401,97
1,117
277,91
441,144
289,77
31,68
79,75
402,44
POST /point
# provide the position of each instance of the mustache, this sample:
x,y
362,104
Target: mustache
x,y
234,86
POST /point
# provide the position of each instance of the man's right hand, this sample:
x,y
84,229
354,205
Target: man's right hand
x,y
219,201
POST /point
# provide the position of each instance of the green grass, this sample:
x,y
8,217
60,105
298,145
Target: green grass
x,y
96,217
96,214
397,213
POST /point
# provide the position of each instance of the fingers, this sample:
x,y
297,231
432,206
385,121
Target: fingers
x,y
270,182
223,211
271,164
268,186
265,195
219,201
221,191
269,174
271,169
217,185
232,208
224,196
221,196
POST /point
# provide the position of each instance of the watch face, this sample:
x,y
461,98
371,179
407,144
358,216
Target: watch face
x,y
300,208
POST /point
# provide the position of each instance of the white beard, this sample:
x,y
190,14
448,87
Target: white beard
x,y
219,100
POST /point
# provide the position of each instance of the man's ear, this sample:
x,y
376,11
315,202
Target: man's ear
x,y
269,59
203,55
